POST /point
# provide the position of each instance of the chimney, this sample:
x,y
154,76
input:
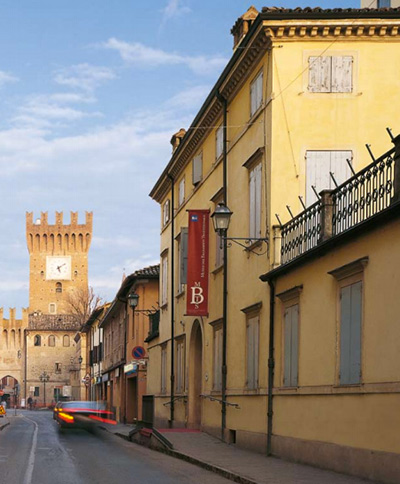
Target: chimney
x,y
242,25
177,138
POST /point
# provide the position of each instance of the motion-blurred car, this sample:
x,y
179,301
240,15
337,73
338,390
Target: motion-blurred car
x,y
55,410
84,415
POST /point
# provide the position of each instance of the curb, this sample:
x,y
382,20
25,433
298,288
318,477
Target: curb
x,y
193,460
2,426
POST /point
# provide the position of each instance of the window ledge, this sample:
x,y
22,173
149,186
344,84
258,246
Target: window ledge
x,y
164,306
180,294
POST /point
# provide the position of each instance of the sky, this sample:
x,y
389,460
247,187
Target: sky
x,y
91,92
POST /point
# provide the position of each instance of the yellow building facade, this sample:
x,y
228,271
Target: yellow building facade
x,y
303,93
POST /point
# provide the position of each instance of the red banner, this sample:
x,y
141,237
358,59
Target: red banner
x,y
197,268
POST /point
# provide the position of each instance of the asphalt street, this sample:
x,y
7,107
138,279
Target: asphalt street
x,y
33,451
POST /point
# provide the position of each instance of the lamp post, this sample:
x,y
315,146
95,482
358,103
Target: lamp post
x,y
221,218
44,377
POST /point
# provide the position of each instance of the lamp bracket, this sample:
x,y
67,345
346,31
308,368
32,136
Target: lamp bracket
x,y
246,242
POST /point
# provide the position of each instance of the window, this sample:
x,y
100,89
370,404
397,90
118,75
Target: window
x,y
66,340
180,366
330,74
57,367
350,333
255,201
197,169
163,369
58,287
182,259
37,340
384,4
52,340
256,93
319,165
164,280
252,329
52,308
166,212
290,350
219,142
36,392
181,192
217,373
219,246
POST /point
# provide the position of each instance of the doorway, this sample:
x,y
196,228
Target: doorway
x,y
195,376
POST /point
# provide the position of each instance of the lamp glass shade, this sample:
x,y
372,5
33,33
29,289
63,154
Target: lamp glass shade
x,y
133,299
80,359
221,217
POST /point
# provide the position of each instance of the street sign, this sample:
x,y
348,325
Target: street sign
x,y
138,352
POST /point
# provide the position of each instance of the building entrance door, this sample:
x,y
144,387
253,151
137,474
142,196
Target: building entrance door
x,y
195,376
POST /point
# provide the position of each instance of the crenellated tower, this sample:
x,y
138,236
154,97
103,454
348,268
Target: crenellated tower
x,y
58,260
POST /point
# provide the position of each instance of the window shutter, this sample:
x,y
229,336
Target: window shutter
x,y
294,346
197,169
252,203
345,343
318,165
355,333
250,351
219,142
257,214
339,166
287,347
342,75
319,74
183,255
255,359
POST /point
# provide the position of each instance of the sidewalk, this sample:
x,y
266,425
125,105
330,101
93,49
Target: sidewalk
x,y
4,421
236,464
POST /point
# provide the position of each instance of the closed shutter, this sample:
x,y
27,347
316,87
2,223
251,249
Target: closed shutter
x,y
319,74
197,169
256,93
183,256
252,203
219,142
291,346
350,334
342,78
252,353
217,359
257,209
339,166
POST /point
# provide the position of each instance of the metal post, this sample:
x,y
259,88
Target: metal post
x,y
396,142
172,408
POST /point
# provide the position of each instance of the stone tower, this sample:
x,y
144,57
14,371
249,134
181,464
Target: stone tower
x,y
58,261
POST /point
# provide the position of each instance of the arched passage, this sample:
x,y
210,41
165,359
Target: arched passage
x,y
195,375
9,390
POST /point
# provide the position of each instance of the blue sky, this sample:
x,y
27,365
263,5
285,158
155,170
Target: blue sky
x,y
90,93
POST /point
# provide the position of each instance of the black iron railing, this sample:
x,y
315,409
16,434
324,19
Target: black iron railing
x,y
365,194
301,233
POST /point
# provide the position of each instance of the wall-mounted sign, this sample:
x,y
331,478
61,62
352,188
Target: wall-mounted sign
x,y
130,368
105,377
138,352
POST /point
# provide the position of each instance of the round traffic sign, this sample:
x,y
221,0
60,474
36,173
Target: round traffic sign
x,y
138,352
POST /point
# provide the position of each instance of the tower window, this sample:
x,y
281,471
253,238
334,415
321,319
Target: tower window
x,y
52,308
66,340
58,287
37,340
52,340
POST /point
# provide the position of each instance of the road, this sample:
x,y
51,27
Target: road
x,y
32,451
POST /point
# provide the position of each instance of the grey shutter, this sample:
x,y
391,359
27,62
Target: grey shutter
x,y
197,169
319,74
252,203
342,74
355,333
339,166
294,346
318,165
287,347
345,305
183,255
255,344
257,200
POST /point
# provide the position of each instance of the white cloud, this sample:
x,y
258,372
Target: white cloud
x,y
84,76
138,54
5,77
174,8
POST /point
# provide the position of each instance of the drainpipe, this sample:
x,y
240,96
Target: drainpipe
x,y
172,406
25,360
271,363
224,102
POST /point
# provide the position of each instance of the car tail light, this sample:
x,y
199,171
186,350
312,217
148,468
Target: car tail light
x,y
67,418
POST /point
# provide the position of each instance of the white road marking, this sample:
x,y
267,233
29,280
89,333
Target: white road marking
x,y
31,460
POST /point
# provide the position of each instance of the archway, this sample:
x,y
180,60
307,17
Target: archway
x,y
195,375
9,390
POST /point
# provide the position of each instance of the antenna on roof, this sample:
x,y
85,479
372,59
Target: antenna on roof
x,y
315,192
302,202
390,133
350,166
333,178
370,151
288,209
279,220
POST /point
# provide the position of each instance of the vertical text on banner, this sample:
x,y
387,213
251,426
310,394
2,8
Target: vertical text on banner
x,y
197,269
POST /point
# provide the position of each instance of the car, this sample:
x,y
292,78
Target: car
x,y
84,415
55,409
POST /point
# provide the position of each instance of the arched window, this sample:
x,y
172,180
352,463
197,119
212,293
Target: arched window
x,y
66,340
37,340
52,340
58,287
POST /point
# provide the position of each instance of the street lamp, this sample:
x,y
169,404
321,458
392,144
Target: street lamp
x,y
221,219
44,377
133,300
80,359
